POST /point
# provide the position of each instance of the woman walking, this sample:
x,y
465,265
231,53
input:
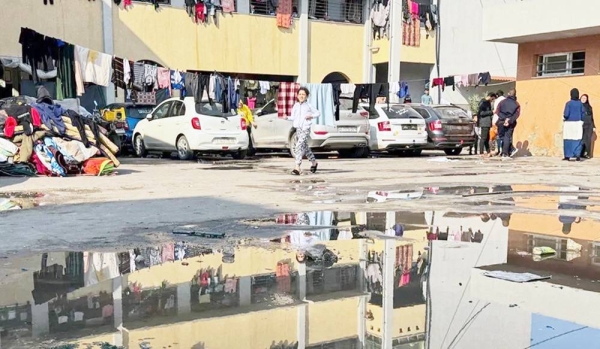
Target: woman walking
x,y
302,115
245,112
573,127
588,127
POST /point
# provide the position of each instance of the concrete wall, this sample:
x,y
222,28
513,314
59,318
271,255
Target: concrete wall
x,y
425,53
451,301
463,49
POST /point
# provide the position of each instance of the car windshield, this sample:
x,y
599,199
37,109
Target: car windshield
x,y
138,112
451,113
400,112
214,109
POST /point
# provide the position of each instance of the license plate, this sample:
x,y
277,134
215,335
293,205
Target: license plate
x,y
409,127
120,131
224,141
347,129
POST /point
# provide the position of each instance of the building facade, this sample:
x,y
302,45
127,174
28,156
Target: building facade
x,y
327,41
555,54
463,51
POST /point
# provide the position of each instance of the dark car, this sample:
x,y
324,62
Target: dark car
x,y
449,128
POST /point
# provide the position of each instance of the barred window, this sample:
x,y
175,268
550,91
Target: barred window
x,y
350,11
559,64
160,2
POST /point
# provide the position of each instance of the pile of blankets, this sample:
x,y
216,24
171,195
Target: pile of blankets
x,y
40,137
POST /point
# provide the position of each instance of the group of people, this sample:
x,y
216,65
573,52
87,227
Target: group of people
x,y
498,115
578,127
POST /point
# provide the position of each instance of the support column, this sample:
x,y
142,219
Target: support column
x,y
40,322
117,286
362,286
184,298
368,41
107,35
302,281
395,45
245,290
302,324
303,39
389,259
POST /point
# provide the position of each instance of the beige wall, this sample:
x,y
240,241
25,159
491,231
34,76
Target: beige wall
x,y
425,53
331,320
335,47
78,22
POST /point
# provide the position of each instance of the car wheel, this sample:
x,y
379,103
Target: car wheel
x,y
293,141
364,152
400,153
139,147
183,149
416,152
116,140
240,155
166,154
453,152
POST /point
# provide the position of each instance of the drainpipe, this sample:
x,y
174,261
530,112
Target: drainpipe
x,y
395,46
437,50
107,36
303,37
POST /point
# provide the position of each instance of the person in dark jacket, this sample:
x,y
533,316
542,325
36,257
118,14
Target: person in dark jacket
x,y
588,127
508,113
484,122
573,116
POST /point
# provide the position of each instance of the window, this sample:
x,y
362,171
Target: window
x,y
557,64
424,113
214,109
162,111
269,109
138,112
350,11
400,112
178,109
451,113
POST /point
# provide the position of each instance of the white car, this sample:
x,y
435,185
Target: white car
x,y
188,128
349,137
397,129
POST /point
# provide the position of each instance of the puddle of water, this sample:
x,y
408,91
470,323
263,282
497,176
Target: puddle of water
x,y
427,272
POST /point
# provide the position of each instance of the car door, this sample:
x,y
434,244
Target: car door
x,y
264,133
154,128
173,125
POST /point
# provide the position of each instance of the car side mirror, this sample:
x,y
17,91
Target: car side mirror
x,y
149,116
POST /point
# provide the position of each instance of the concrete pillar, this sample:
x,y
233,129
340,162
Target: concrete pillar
x,y
389,260
302,324
303,39
184,298
395,45
107,35
362,286
245,290
368,69
40,322
302,281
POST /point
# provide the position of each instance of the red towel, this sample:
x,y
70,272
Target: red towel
x,y
36,118
9,126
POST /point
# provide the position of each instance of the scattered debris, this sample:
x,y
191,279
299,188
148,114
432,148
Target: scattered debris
x,y
515,277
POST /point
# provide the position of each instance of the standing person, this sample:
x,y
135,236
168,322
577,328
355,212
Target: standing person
x,y
426,98
588,127
484,121
477,131
245,112
302,115
407,99
499,98
573,127
508,113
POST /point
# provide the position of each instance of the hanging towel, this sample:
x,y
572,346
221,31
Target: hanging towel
x,y
286,98
228,6
284,14
473,79
164,78
438,82
177,80
348,89
321,97
264,87
97,70
81,59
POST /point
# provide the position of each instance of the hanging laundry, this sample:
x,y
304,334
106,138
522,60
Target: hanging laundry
x,y
321,97
348,89
66,69
264,87
404,91
233,95
118,76
81,61
200,12
177,80
251,102
379,17
438,82
211,86
150,77
127,4
164,78
370,91
191,85
461,80
484,78
97,70
473,79
138,76
286,98
284,14
228,6
449,81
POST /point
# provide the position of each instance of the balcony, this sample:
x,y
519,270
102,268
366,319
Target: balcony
x,y
540,20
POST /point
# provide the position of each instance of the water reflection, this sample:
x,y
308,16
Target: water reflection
x,y
342,280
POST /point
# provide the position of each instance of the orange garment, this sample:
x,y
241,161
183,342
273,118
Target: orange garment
x,y
284,14
493,133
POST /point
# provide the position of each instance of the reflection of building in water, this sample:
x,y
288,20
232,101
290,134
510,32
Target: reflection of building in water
x,y
450,301
161,299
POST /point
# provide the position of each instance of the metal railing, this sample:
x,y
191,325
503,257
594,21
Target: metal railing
x,y
560,67
349,11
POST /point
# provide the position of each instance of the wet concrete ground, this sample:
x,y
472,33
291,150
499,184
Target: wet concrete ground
x,y
110,240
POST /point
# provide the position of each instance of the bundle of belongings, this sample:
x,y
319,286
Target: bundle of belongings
x,y
40,137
